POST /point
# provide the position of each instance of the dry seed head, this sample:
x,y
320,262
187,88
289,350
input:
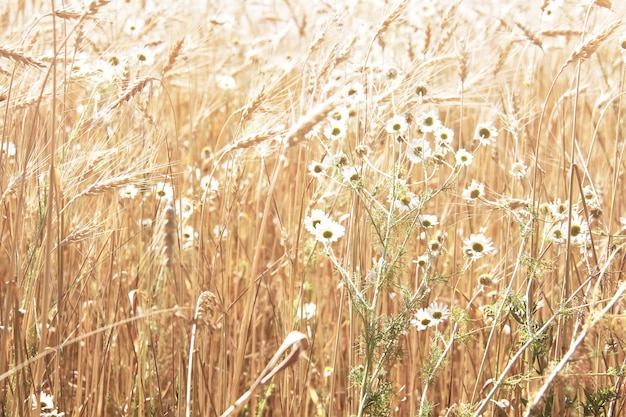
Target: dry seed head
x,y
169,229
206,307
530,35
587,49
391,17
173,55
463,60
21,58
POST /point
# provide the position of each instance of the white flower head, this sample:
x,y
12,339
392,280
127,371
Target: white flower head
x,y
354,93
8,149
557,233
144,55
351,175
397,125
314,219
428,122
422,261
187,207
133,26
336,130
418,150
486,133
518,169
329,231
464,157
477,246
444,136
422,90
474,191
428,220
307,311
439,313
404,200
558,209
225,82
579,230
422,320
164,191
340,114
317,169
129,191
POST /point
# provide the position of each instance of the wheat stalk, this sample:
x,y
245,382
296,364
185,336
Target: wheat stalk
x,y
21,58
586,49
205,309
102,187
172,56
391,17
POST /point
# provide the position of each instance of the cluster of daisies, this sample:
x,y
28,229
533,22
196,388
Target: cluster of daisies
x,y
325,229
558,225
431,316
184,207
435,140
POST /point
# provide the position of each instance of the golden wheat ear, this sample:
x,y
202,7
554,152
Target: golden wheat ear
x,y
298,342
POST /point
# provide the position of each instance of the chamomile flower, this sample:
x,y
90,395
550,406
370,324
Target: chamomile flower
x,y
475,191
187,208
46,403
8,149
578,227
225,82
164,191
328,231
428,220
589,195
354,93
340,114
421,89
422,320
439,313
129,191
307,311
317,169
422,261
435,247
557,233
144,56
314,219
428,122
405,201
351,175
397,125
362,151
209,184
418,150
339,160
133,27
464,157
518,169
444,136
486,133
487,280
558,209
189,237
477,246
335,130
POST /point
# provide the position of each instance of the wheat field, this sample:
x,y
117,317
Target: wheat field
x,y
312,208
